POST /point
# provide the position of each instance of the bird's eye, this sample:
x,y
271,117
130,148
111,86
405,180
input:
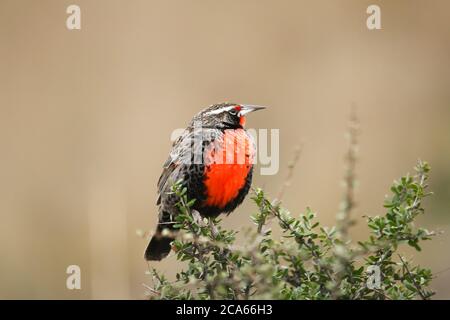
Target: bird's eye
x,y
235,110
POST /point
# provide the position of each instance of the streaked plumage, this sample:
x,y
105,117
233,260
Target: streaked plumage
x,y
219,179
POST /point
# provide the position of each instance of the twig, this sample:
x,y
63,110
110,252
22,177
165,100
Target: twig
x,y
419,289
348,202
291,166
442,271
310,247
286,183
151,289
381,292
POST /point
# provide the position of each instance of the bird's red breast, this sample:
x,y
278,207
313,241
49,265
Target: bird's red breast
x,y
227,167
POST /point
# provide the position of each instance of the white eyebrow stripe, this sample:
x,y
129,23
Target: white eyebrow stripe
x,y
220,110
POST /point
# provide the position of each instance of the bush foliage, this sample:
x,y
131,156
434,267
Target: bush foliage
x,y
308,261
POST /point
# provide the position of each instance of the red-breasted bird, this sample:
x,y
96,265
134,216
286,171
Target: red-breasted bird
x,y
213,159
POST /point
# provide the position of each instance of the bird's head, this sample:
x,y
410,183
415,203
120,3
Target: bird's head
x,y
225,115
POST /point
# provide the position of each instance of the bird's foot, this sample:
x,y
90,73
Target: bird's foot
x,y
214,230
201,222
198,218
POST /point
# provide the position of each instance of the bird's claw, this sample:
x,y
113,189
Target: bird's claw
x,y
198,218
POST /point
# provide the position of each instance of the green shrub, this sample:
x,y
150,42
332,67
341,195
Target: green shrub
x,y
308,261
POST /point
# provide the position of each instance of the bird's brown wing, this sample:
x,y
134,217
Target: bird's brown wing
x,y
174,160
180,161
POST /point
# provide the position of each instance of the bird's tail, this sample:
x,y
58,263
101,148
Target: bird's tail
x,y
159,246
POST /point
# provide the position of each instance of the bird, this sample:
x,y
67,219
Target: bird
x,y
213,159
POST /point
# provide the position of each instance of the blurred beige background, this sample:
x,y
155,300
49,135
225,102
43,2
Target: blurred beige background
x,y
85,120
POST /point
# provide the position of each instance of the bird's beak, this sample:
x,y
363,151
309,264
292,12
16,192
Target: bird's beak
x,y
247,108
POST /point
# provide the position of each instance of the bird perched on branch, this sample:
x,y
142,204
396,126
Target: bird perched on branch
x,y
213,159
